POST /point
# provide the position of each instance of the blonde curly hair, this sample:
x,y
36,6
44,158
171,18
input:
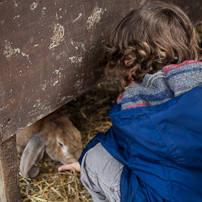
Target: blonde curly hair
x,y
147,39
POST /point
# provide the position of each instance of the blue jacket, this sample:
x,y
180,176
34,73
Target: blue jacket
x,y
157,135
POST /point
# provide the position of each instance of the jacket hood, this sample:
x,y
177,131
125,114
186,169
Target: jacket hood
x,y
157,88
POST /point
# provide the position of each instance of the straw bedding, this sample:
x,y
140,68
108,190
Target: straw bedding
x,y
89,113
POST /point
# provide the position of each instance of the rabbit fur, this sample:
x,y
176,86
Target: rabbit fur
x,y
54,134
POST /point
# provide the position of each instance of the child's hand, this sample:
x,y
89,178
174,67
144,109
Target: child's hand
x,y
72,166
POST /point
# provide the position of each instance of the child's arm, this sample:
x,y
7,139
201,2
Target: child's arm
x,y
72,166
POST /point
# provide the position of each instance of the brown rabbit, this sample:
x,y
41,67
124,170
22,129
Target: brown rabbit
x,y
55,135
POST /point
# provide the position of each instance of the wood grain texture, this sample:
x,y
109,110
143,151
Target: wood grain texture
x,y
9,190
49,55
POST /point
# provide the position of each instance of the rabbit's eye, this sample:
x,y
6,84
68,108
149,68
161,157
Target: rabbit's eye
x,y
60,144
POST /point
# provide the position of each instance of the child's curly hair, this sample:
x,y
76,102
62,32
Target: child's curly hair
x,y
147,39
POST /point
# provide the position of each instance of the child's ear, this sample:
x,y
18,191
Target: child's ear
x,y
126,62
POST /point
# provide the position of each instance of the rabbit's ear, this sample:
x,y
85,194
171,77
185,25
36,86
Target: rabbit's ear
x,y
32,153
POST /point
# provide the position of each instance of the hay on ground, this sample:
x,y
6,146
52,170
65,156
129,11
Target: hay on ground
x,y
89,113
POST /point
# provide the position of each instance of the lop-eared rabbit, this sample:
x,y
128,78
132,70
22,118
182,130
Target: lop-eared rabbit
x,y
54,134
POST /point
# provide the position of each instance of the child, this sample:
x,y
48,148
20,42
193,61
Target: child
x,y
153,151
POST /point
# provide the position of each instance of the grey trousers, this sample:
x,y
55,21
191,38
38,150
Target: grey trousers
x,y
101,174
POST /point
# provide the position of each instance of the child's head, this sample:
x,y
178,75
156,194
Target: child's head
x,y
149,38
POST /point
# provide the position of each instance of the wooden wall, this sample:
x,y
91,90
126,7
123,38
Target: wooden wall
x,y
49,52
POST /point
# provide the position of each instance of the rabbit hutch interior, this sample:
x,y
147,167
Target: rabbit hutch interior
x,y
49,57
